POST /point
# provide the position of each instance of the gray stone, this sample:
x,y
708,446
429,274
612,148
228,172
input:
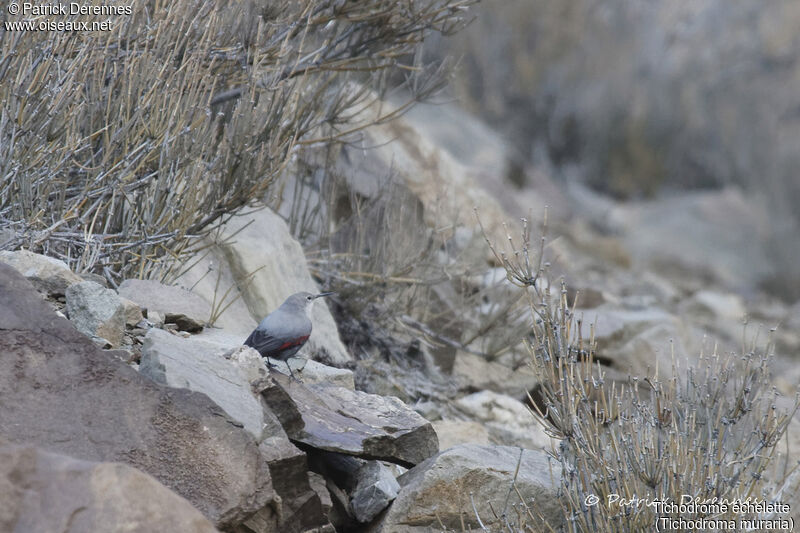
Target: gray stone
x,y
350,422
48,275
44,491
173,302
310,372
454,432
375,490
156,319
634,342
62,393
96,312
209,275
199,366
438,491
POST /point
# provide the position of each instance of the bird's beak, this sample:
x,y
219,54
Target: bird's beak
x,y
320,295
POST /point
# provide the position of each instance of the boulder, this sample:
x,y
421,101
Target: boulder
x,y
199,366
63,394
48,275
187,309
441,491
96,312
268,266
44,491
351,422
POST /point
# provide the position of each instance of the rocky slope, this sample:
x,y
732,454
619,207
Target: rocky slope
x,y
126,401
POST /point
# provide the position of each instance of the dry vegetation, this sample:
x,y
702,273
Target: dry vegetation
x,y
119,149
708,430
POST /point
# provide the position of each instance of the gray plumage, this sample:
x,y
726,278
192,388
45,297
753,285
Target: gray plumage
x,y
284,331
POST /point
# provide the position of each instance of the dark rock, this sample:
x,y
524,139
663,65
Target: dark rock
x,y
350,422
375,490
185,323
44,491
63,394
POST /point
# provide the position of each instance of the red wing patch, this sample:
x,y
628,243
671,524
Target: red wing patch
x,y
290,344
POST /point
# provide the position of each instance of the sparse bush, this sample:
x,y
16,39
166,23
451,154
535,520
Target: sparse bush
x,y
708,431
119,149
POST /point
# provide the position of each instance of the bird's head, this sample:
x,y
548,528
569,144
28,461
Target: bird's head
x,y
304,300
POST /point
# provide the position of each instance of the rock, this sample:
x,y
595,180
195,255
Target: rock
x,y
454,432
437,492
310,372
48,275
375,490
176,304
474,372
350,422
209,275
96,312
44,491
132,311
199,366
269,262
301,506
62,393
507,420
634,342
185,323
156,319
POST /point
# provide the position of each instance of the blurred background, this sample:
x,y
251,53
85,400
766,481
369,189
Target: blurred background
x,y
652,102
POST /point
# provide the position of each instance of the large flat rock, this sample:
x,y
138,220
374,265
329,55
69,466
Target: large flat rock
x,y
44,491
200,366
352,422
63,394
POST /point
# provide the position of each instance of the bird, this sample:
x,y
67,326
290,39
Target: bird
x,y
284,331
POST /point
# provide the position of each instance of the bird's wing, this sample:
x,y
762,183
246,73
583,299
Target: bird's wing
x,y
265,343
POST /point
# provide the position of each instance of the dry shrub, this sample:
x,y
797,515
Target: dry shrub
x,y
119,149
709,432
